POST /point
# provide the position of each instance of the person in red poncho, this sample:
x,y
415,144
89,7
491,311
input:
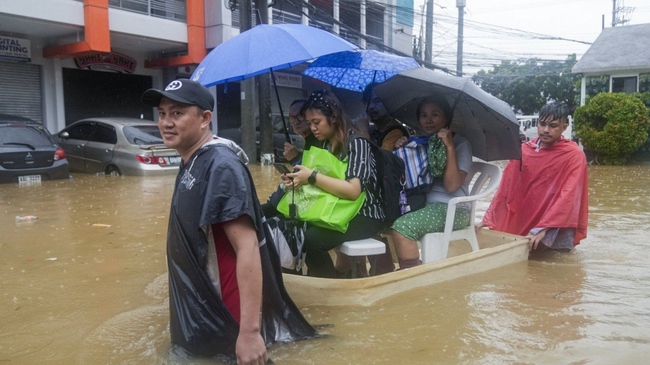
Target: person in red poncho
x,y
543,196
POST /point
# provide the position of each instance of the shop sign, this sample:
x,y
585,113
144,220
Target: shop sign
x,y
15,49
288,80
106,62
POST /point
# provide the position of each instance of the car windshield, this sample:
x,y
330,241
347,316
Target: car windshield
x,y
20,134
143,135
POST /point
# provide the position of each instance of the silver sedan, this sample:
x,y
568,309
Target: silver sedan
x,y
117,146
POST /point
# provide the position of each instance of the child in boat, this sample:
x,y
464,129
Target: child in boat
x,y
450,159
329,123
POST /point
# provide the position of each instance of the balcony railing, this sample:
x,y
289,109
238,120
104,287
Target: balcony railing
x,y
285,17
166,9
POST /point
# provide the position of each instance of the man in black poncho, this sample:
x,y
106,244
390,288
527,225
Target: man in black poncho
x,y
223,268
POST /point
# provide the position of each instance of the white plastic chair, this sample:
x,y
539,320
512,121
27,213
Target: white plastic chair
x,y
435,246
360,249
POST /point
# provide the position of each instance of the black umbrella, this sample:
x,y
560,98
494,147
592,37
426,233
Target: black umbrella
x,y
486,121
289,238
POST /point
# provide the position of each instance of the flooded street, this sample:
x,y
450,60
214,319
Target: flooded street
x,y
86,283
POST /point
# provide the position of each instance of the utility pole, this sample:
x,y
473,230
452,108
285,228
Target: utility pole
x,y
335,13
620,13
420,39
264,97
247,90
428,45
362,26
459,54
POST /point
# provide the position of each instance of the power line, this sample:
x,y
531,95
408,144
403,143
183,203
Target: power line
x,y
368,39
445,32
445,35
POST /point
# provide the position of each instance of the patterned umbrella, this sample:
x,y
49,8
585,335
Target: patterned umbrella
x,y
354,70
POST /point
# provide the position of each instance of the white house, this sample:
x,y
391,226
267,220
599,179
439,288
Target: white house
x,y
618,61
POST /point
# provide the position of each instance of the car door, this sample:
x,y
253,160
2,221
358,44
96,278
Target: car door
x,y
100,148
74,144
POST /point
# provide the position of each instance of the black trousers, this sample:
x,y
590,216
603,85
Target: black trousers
x,y
318,242
270,207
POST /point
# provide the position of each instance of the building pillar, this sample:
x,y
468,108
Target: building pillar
x,y
583,90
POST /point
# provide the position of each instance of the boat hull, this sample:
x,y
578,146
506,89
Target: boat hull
x,y
497,249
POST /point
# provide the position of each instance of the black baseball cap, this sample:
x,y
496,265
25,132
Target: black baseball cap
x,y
183,91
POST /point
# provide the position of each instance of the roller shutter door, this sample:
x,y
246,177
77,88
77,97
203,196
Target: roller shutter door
x,y
22,90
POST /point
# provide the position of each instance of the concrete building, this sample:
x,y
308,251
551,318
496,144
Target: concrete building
x,y
63,60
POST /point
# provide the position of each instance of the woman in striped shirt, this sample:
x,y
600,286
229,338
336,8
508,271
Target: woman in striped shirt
x,y
329,123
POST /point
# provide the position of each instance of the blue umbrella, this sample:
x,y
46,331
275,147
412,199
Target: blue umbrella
x,y
265,48
354,70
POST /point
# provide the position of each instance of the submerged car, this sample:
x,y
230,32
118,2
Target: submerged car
x,y
234,134
28,152
117,146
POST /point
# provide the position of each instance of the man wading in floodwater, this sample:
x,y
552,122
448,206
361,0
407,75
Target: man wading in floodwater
x,y
545,195
223,268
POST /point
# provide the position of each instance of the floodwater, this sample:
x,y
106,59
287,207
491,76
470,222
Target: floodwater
x,y
86,284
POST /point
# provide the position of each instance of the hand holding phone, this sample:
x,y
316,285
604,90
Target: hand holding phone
x,y
282,168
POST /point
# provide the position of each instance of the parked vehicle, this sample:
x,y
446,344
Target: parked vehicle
x,y
234,134
528,124
28,152
522,137
118,146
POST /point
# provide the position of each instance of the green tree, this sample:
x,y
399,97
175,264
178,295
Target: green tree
x,y
613,125
528,85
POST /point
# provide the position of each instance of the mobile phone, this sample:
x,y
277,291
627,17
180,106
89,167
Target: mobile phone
x,y
282,168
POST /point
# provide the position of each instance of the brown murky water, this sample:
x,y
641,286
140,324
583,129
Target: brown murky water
x,y
86,284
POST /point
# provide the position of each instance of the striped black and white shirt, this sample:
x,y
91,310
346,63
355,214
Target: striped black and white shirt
x,y
362,165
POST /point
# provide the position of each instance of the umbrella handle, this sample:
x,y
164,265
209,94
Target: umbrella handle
x,y
284,122
292,206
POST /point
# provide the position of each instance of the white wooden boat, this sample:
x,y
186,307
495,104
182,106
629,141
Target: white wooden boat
x,y
497,249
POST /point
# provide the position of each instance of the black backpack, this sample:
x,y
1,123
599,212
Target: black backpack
x,y
390,175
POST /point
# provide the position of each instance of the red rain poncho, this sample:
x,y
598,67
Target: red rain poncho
x,y
550,191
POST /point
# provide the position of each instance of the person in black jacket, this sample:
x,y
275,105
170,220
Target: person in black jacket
x,y
385,130
218,244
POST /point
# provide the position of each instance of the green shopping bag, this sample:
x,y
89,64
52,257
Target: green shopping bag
x,y
317,206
